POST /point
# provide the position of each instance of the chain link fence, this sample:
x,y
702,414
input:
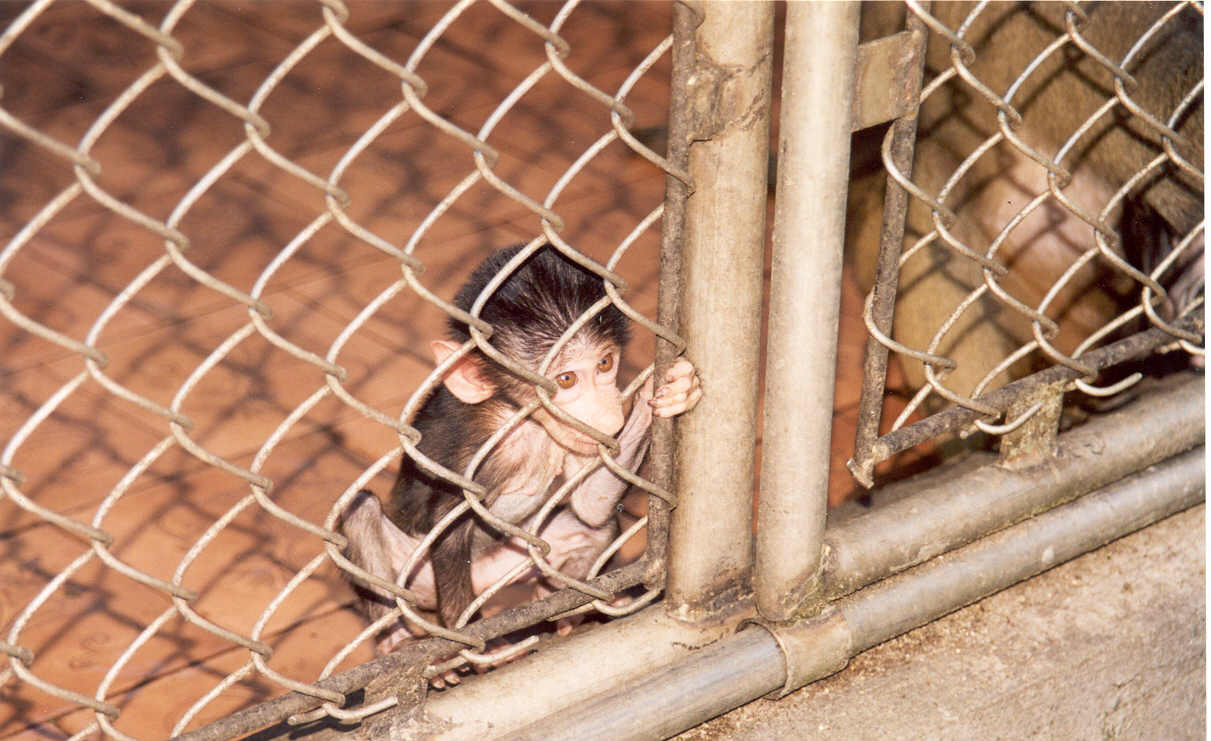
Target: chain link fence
x,y
1055,213
226,229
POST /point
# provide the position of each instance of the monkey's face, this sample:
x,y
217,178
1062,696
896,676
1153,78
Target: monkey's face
x,y
586,378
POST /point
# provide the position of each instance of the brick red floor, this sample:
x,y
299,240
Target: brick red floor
x,y
59,76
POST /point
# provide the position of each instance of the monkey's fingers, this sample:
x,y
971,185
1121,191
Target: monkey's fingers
x,y
565,626
676,401
682,368
680,379
680,394
447,679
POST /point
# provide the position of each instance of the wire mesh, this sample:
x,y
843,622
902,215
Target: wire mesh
x,y
1056,207
227,228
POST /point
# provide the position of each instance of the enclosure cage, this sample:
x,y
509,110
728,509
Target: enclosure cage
x,y
938,268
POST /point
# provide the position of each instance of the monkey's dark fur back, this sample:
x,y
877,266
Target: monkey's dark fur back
x,y
529,311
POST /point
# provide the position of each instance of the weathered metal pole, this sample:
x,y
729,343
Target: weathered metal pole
x,y
663,453
710,533
805,295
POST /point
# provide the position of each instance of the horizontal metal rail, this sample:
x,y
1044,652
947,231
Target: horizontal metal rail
x,y
955,505
751,663
1135,347
656,663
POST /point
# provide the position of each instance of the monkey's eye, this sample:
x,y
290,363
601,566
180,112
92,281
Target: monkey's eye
x,y
606,364
566,380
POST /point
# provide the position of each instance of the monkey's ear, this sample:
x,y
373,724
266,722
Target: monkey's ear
x,y
465,380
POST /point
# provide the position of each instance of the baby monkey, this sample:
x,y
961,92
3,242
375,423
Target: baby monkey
x,y
528,313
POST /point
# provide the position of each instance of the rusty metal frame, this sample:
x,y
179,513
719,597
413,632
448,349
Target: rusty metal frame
x,y
900,143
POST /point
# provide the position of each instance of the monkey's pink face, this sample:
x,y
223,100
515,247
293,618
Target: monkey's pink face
x,y
587,389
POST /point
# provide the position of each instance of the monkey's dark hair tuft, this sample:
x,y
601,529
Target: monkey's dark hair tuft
x,y
533,307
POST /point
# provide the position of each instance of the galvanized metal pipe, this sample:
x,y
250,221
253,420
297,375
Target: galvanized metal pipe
x,y
716,679
561,680
747,665
711,529
956,505
821,52
904,602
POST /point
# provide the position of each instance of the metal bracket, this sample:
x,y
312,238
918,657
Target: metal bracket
x,y
888,79
812,649
1035,440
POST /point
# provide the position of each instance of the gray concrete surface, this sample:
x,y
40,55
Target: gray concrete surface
x,y
1111,645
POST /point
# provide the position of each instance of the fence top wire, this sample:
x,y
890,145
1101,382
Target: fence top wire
x,y
170,61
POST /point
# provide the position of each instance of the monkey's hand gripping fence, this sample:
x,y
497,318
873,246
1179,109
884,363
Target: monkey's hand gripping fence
x,y
984,248
157,44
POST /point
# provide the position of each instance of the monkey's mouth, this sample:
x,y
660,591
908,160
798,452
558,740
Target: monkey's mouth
x,y
572,440
578,443
583,445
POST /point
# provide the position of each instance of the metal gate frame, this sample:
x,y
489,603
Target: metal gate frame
x,y
744,616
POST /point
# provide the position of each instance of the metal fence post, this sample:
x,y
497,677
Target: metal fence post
x,y
805,293
711,528
662,456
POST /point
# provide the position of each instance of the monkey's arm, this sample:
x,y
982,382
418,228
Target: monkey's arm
x,y
597,497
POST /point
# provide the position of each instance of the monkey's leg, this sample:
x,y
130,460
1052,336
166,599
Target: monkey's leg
x,y
381,548
575,547
451,557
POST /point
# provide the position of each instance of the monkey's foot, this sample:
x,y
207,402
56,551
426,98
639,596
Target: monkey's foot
x,y
504,651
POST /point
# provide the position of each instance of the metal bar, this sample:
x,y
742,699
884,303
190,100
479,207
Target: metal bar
x,y
805,297
1034,441
710,532
653,703
672,235
956,505
887,271
716,679
1131,348
885,88
557,681
900,604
